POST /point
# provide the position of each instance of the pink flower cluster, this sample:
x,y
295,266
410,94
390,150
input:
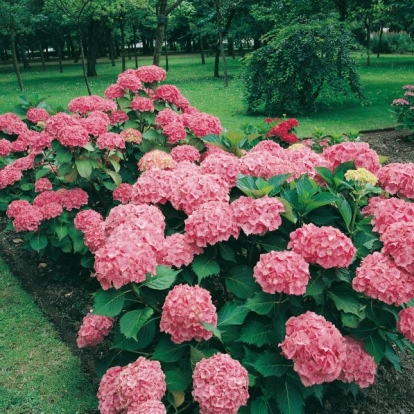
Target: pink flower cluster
x,y
43,184
93,330
176,251
91,223
405,323
11,124
358,366
129,80
282,272
156,159
123,193
149,407
131,135
397,179
36,115
226,165
128,389
325,246
316,348
398,242
142,104
361,153
9,175
257,216
110,140
379,277
185,153
184,310
282,131
151,73
85,104
220,385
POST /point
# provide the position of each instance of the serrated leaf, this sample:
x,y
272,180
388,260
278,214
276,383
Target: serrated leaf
x,y
227,252
240,282
315,289
38,242
131,322
179,398
349,320
61,231
345,210
195,355
151,135
375,346
259,406
177,380
204,266
345,300
84,168
108,302
211,328
64,155
255,333
115,177
271,243
232,314
271,364
326,174
87,260
163,279
42,173
289,398
167,351
320,200
261,303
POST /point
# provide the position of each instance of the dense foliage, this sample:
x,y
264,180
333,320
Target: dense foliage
x,y
403,109
237,274
298,63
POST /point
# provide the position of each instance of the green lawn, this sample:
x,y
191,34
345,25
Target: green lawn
x,y
38,374
382,82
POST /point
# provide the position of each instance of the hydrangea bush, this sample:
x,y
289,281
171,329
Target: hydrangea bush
x,y
404,109
237,275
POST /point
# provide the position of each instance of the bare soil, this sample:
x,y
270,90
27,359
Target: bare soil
x,y
63,291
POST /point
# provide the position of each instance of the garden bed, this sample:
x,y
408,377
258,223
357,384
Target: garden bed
x,y
64,293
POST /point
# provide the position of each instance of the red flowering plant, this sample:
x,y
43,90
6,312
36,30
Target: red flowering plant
x,y
403,109
236,275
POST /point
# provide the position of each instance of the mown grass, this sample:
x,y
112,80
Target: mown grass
x,y
382,82
38,373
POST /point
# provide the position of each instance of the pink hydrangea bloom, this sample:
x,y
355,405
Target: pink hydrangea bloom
x,y
85,104
185,153
28,218
51,210
211,223
11,124
184,310
47,197
151,73
316,348
148,407
271,148
73,136
142,104
153,186
202,124
224,164
36,115
108,395
198,189
325,246
397,179
24,163
9,175
169,93
140,381
93,330
110,140
358,366
131,135
86,219
129,80
60,121
220,385
15,207
74,198
5,147
156,159
398,242
43,184
36,141
405,323
379,277
387,211
258,216
175,132
176,251
123,193
167,116
96,125
282,272
118,117
360,152
94,237
114,91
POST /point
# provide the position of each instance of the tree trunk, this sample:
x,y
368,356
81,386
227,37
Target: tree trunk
x,y
217,62
42,57
380,39
134,39
111,50
93,45
14,58
161,22
23,54
221,46
166,56
203,59
85,75
368,39
122,27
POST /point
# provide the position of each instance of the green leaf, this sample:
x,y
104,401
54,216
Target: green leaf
x,y
240,282
326,174
271,243
259,406
261,303
177,380
167,351
349,320
315,289
227,252
61,231
38,242
255,333
375,346
163,279
124,103
320,200
109,302
392,356
345,210
271,364
204,266
277,181
289,398
151,135
87,260
234,137
211,328
131,322
115,177
345,299
195,355
89,147
42,173
232,314
84,168
64,155
216,141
